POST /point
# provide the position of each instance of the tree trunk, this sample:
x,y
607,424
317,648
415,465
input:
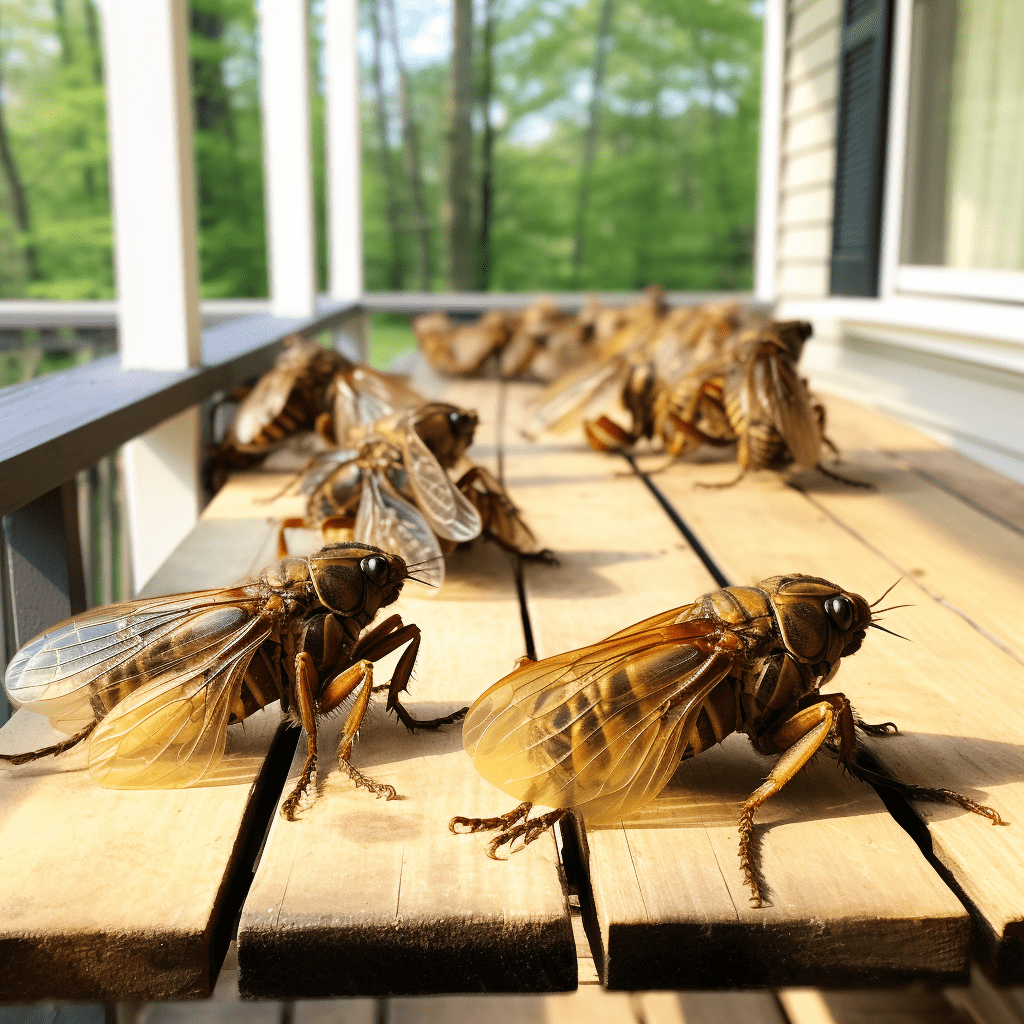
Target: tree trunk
x,y
60,20
19,199
486,150
590,138
424,262
95,47
461,272
392,205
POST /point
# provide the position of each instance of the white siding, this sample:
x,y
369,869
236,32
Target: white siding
x,y
920,367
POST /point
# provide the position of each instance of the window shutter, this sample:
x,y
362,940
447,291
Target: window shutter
x,y
861,124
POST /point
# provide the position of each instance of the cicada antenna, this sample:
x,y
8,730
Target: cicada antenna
x,y
882,598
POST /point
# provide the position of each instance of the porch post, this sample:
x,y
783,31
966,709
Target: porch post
x,y
287,156
344,151
154,208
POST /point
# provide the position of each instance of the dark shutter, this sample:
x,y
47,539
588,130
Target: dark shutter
x,y
862,117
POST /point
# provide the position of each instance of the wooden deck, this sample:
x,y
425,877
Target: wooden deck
x,y
135,896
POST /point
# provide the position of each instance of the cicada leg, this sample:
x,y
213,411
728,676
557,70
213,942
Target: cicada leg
x,y
512,825
388,636
57,748
799,738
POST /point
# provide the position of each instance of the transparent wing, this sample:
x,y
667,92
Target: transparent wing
x,y
324,466
450,514
169,732
593,728
104,653
562,406
783,394
392,524
263,404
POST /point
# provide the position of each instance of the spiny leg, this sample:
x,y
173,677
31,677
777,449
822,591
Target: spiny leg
x,y
355,677
286,524
528,830
944,796
502,821
800,738
305,687
832,475
386,637
57,748
881,729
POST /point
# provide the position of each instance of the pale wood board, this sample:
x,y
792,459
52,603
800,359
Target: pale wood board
x,y
708,1008
954,693
369,897
588,1005
852,426
122,894
670,903
914,1005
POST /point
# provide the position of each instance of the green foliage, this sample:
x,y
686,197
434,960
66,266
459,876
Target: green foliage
x,y
673,186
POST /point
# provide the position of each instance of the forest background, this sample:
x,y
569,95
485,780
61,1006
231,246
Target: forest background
x,y
529,145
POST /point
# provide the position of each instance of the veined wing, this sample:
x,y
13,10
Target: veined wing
x,y
102,654
323,466
170,731
392,524
783,394
450,514
562,406
593,728
263,404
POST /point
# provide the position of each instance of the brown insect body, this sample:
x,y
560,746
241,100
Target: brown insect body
x,y
602,729
154,684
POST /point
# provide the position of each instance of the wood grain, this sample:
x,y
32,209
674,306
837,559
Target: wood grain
x,y
853,899
953,692
119,894
373,897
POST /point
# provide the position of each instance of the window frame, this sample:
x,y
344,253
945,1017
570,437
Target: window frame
x,y
897,279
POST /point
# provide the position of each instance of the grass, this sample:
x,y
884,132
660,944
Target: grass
x,y
390,336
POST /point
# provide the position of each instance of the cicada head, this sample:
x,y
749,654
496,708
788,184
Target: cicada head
x,y
445,429
356,580
820,623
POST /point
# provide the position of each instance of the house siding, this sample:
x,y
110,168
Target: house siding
x,y
807,148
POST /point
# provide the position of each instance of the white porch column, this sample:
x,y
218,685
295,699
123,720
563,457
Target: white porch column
x,y
771,140
154,210
344,154
287,156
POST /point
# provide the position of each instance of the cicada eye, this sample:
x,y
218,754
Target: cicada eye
x,y
840,611
376,568
455,420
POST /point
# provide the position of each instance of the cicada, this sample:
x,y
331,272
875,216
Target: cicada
x,y
601,730
394,490
775,419
461,348
287,399
153,685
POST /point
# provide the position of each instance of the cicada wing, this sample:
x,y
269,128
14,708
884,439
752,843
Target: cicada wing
x,y
450,514
392,524
591,728
170,732
562,406
781,391
323,467
99,654
262,405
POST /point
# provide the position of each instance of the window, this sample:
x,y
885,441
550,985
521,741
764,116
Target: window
x,y
963,198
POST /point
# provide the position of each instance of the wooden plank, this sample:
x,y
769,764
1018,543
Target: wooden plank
x,y
812,52
129,894
818,129
589,1005
997,495
954,693
364,897
669,881
821,16
709,1008
915,1005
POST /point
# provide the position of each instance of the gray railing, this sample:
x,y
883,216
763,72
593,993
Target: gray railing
x,y
64,538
